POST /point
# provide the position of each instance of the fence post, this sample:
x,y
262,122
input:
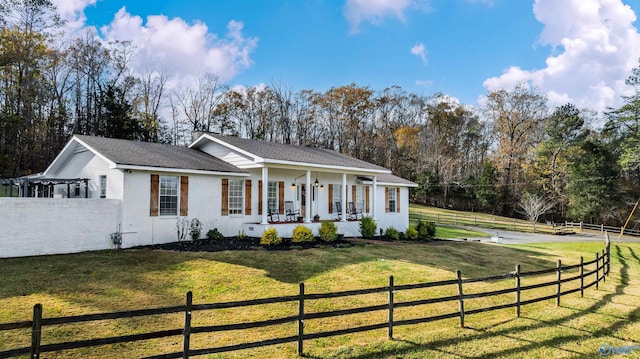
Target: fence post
x,y
581,276
475,220
602,228
608,257
301,320
36,331
580,226
391,307
604,267
514,224
494,222
461,298
597,269
559,267
186,340
517,290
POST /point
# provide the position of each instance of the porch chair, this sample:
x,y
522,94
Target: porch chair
x,y
338,209
291,213
353,212
273,213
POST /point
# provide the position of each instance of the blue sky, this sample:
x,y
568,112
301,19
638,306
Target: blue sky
x,y
572,50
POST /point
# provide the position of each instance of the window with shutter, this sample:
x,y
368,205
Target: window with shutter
x,y
247,197
224,195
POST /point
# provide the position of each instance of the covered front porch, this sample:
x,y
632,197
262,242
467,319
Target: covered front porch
x,y
308,196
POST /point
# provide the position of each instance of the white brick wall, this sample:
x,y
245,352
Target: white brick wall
x,y
37,226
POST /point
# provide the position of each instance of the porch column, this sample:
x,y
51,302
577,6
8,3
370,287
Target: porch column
x,y
307,202
345,200
374,196
265,195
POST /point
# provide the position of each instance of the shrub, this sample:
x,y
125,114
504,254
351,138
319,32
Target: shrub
x,y
402,236
392,234
328,231
182,225
195,229
426,230
214,235
242,235
367,227
270,238
302,234
412,234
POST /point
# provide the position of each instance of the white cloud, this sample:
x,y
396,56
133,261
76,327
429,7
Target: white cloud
x,y
595,46
420,51
182,49
374,11
72,11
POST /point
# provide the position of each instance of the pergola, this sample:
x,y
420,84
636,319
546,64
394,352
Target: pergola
x,y
41,187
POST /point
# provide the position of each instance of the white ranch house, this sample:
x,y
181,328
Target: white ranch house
x,y
228,183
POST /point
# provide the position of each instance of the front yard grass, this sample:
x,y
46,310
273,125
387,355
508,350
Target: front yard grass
x,y
108,281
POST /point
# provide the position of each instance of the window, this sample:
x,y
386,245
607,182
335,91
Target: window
x,y
103,186
272,196
337,198
360,198
235,196
392,200
168,195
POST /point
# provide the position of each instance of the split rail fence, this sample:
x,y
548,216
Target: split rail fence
x,y
519,225
590,273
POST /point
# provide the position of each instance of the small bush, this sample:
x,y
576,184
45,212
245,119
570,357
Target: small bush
x,y
368,227
195,229
182,225
392,234
402,236
214,235
302,234
412,234
270,238
328,231
426,230
242,235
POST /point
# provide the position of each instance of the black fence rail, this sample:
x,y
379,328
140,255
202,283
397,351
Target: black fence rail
x,y
590,273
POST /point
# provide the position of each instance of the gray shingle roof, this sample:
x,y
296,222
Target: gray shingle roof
x,y
389,178
301,154
147,154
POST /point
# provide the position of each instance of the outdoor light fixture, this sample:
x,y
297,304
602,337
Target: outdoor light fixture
x,y
316,183
322,187
293,185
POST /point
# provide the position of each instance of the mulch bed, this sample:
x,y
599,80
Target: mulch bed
x,y
234,243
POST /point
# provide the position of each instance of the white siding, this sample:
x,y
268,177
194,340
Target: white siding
x,y
237,159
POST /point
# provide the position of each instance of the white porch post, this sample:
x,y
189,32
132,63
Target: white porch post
x,y
265,195
374,195
344,203
307,202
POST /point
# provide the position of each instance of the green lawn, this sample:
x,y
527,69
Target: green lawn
x,y
133,279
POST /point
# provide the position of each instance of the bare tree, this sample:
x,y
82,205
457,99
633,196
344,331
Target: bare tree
x,y
533,206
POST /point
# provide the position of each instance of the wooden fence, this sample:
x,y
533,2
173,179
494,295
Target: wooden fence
x,y
586,278
518,225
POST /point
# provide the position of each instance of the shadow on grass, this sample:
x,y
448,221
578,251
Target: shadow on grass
x,y
473,259
91,273
557,342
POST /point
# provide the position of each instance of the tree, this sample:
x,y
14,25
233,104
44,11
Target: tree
x,y
592,185
564,130
518,116
533,206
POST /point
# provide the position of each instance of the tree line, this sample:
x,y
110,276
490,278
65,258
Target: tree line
x,y
493,158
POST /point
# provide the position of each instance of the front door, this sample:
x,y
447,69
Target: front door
x,y
302,198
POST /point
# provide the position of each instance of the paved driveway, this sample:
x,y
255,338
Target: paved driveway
x,y
510,237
